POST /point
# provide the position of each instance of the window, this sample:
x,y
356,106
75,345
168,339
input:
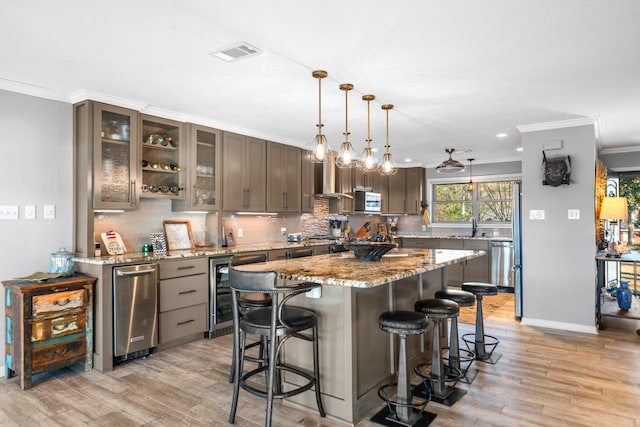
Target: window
x,y
488,202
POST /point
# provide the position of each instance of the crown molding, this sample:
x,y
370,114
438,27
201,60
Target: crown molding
x,y
582,121
620,150
32,90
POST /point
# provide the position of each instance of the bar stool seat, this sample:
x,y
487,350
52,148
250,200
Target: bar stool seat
x,y
439,383
483,345
402,411
459,359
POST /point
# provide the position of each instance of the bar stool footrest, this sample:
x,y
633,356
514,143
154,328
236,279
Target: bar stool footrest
x,y
388,416
489,342
282,395
465,361
449,395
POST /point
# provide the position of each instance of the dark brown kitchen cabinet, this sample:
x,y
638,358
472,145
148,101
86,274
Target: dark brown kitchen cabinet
x,y
283,178
473,270
344,185
49,326
243,173
203,170
162,163
405,190
396,191
308,184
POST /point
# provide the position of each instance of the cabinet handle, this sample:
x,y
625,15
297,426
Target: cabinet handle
x,y
133,192
187,292
248,203
186,267
185,322
62,302
135,273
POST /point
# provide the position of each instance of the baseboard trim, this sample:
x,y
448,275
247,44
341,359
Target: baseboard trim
x,y
573,327
2,371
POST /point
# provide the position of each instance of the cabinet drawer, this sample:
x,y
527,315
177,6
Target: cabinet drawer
x,y
183,292
183,267
58,301
46,328
277,254
50,357
182,322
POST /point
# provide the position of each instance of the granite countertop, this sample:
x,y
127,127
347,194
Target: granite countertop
x,y
205,251
343,269
456,236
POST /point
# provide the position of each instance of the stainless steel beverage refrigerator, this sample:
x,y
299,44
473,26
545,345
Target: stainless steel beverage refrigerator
x,y
517,246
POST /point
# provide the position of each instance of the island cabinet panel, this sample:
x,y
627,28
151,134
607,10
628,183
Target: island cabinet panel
x,y
243,173
356,357
455,272
283,178
49,326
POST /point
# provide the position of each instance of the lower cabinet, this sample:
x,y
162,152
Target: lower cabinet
x,y
473,270
184,299
419,243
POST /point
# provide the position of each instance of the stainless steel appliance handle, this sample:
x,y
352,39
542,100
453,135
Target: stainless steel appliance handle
x,y
135,273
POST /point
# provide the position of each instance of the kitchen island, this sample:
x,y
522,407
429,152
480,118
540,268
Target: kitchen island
x,y
356,357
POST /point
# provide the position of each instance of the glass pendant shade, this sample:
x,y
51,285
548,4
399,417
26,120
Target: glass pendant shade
x,y
319,151
450,165
368,161
470,175
386,167
347,157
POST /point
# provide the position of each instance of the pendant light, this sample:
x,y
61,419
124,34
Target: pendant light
x,y
319,151
470,175
347,157
368,162
450,165
386,167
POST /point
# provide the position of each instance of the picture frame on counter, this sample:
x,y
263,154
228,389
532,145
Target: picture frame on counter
x,y
178,234
158,243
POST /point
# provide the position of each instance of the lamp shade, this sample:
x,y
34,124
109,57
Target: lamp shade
x,y
613,208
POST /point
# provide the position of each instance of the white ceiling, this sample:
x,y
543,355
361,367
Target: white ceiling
x,y
458,72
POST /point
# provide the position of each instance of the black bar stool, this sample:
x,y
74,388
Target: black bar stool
x,y
481,341
246,303
459,359
439,379
402,412
277,323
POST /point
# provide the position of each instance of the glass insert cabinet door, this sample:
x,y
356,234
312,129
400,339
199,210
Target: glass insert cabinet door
x,y
114,158
205,149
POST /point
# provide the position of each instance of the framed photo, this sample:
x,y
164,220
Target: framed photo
x,y
382,229
158,243
178,233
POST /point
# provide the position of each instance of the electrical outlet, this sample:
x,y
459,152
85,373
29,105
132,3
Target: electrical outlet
x,y
239,232
573,214
49,211
283,231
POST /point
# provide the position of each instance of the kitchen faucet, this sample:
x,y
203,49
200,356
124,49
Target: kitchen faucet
x,y
474,226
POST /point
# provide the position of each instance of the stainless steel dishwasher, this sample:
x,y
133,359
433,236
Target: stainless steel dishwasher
x,y
502,261
135,310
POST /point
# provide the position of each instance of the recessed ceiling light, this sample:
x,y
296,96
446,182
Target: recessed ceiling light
x,y
519,149
408,160
235,52
501,135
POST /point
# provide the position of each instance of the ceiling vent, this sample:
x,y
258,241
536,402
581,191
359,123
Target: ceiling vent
x,y
236,52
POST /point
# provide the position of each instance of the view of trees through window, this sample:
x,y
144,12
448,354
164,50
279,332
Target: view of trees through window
x,y
629,187
489,202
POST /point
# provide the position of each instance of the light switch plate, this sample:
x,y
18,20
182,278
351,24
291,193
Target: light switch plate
x,y
240,233
9,212
573,214
536,214
29,212
49,212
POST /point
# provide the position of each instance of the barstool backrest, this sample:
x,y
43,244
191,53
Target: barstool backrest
x,y
252,281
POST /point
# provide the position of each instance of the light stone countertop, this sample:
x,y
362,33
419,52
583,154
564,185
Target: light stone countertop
x,y
455,236
212,251
343,269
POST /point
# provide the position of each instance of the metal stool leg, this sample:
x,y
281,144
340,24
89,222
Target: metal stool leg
x,y
456,361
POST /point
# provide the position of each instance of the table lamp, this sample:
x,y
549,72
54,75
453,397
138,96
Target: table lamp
x,y
613,209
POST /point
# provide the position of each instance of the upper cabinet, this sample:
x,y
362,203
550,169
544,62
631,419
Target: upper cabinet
x,y
162,152
308,184
203,170
243,173
405,190
283,178
114,130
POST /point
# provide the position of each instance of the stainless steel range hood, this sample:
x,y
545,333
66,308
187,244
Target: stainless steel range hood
x,y
328,189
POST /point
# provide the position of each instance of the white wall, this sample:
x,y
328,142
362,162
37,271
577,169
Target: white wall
x,y
558,254
37,169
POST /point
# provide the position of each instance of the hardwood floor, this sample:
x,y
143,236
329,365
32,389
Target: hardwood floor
x,y
544,378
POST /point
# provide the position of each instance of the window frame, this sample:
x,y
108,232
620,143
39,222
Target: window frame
x,y
432,182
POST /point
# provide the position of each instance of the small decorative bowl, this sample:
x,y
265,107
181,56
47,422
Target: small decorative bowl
x,y
371,251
